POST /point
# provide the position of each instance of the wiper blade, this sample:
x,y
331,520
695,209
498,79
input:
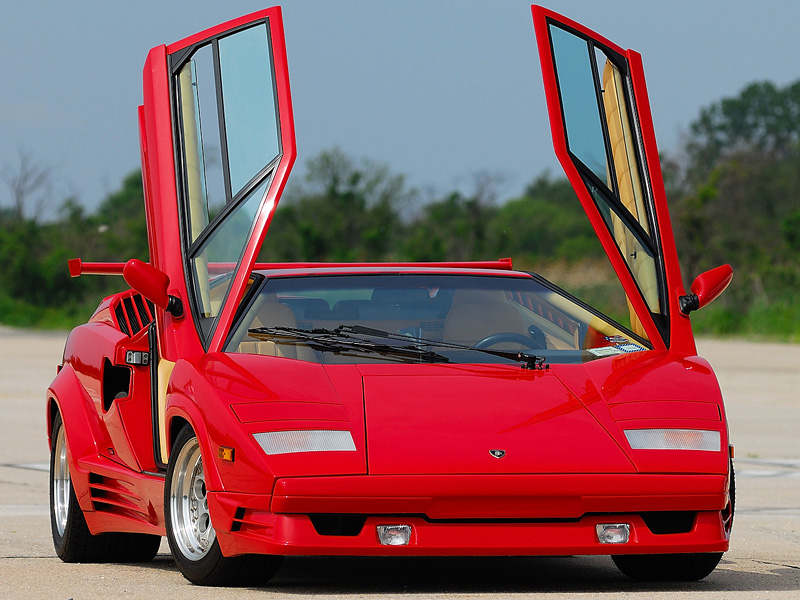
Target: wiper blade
x,y
529,361
339,340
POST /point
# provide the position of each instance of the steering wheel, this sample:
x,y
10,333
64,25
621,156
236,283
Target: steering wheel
x,y
509,337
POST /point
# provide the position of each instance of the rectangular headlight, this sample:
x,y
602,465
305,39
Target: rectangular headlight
x,y
312,440
673,439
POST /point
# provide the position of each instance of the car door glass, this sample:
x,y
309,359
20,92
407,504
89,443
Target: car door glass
x,y
250,118
579,101
601,135
229,141
201,141
213,262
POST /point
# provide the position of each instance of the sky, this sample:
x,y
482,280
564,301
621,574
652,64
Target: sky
x,y
437,89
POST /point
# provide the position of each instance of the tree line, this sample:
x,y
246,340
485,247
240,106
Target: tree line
x,y
733,189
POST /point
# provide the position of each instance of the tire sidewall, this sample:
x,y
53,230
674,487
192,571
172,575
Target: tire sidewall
x,y
60,541
195,571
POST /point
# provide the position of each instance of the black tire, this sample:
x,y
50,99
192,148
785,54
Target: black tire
x,y
668,567
678,567
727,513
191,535
72,540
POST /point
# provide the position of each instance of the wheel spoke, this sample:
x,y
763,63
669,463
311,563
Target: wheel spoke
x,y
61,482
192,526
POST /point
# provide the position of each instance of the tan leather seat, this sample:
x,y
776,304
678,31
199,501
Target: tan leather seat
x,y
475,315
274,314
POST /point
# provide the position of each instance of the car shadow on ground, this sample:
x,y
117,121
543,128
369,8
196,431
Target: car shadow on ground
x,y
306,576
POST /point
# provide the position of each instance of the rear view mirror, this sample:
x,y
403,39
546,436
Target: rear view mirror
x,y
152,284
706,288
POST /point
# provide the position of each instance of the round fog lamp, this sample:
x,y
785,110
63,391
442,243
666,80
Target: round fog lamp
x,y
394,535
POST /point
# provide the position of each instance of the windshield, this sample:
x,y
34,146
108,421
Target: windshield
x,y
449,314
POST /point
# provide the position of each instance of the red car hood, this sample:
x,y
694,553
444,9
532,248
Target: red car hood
x,y
458,419
480,419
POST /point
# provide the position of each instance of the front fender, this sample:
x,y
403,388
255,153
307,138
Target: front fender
x,y
194,399
181,410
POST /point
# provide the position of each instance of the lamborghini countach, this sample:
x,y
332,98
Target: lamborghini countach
x,y
249,411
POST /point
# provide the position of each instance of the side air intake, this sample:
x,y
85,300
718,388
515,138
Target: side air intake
x,y
132,312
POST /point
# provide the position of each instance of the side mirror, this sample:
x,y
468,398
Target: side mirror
x,y
706,288
152,284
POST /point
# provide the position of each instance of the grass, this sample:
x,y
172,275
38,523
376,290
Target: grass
x,y
16,313
776,321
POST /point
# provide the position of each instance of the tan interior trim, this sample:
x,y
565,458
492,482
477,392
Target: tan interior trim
x,y
164,373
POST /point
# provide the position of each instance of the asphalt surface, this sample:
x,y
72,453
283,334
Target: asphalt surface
x,y
761,384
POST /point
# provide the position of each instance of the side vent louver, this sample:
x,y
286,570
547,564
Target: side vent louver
x,y
119,313
116,497
132,312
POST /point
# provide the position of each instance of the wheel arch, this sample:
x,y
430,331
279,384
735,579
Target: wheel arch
x,y
183,412
68,398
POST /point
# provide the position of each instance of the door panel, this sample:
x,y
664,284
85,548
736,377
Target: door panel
x,y
230,135
217,145
602,133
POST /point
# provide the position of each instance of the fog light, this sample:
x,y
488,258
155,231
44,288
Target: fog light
x,y
394,535
613,533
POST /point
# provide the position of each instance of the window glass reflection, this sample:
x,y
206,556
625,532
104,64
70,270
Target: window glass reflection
x,y
600,133
579,101
249,101
201,140
217,259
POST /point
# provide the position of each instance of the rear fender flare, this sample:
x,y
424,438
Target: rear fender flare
x,y
82,428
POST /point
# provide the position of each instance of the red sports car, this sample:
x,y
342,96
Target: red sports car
x,y
251,411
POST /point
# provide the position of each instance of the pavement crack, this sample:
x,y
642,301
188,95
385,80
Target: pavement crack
x,y
774,564
16,483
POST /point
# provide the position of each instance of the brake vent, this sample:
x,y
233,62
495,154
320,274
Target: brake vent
x,y
238,519
115,497
132,312
349,525
666,522
254,522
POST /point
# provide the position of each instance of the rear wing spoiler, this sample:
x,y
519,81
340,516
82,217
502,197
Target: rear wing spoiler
x,y
77,267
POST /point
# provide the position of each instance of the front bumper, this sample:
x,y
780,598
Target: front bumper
x,y
461,515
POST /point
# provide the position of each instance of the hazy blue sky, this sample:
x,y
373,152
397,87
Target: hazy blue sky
x,y
437,89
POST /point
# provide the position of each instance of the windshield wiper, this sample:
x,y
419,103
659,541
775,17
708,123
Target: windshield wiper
x,y
529,361
339,340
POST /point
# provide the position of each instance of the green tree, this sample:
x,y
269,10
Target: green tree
x,y
736,201
546,223
341,211
456,227
763,120
120,222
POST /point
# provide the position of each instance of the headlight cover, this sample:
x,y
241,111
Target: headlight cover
x,y
311,440
674,439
